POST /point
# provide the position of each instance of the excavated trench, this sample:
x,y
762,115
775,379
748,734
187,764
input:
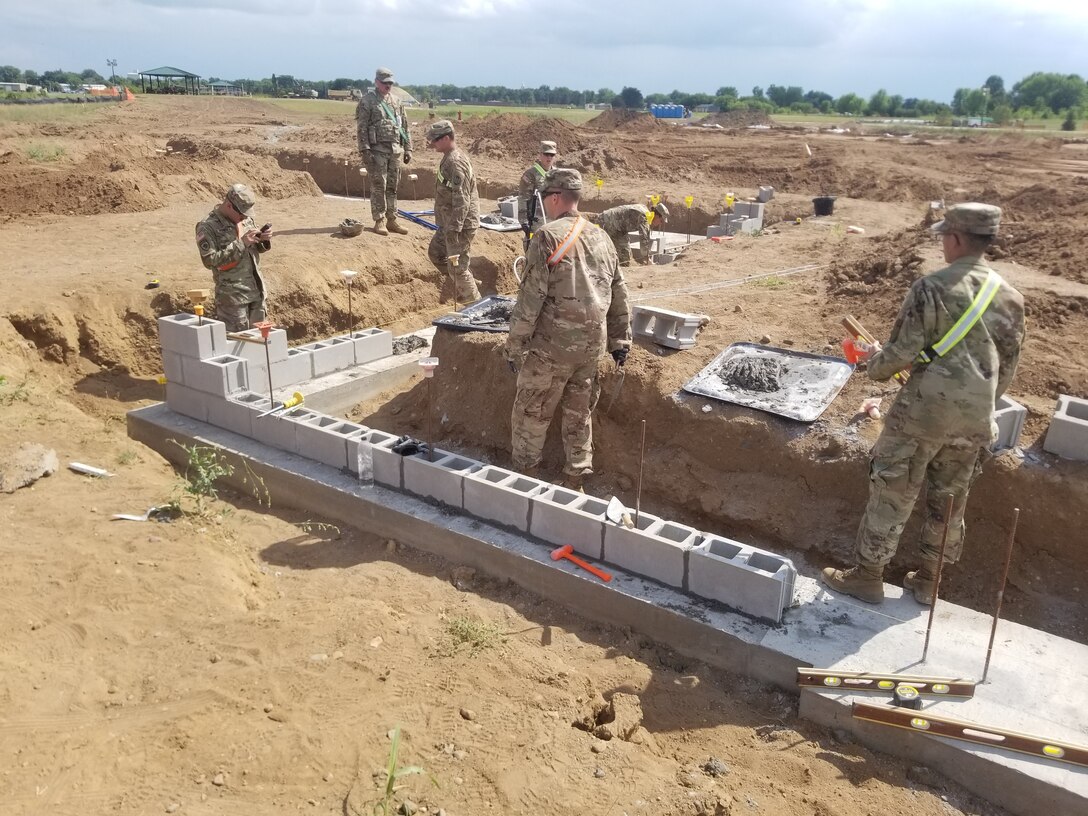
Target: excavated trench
x,y
796,489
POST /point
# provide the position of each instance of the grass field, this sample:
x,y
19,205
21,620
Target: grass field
x,y
328,107
52,113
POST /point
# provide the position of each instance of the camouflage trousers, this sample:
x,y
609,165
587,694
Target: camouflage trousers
x,y
241,316
444,244
239,300
544,385
897,470
384,169
623,248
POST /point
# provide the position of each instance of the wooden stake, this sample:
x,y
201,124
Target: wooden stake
x,y
1001,593
937,577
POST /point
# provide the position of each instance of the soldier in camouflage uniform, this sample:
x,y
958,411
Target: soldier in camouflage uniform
x,y
456,211
571,308
940,427
619,221
383,143
532,182
230,245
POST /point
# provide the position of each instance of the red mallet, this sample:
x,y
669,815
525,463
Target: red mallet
x,y
567,551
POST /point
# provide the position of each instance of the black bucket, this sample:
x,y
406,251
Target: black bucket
x,y
824,205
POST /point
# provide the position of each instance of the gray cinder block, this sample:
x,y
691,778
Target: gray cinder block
x,y
441,479
371,345
255,351
288,433
172,368
371,458
297,368
220,376
324,439
666,327
1009,416
274,430
745,578
714,231
653,547
186,401
561,516
191,336
237,413
331,355
765,194
501,496
1068,433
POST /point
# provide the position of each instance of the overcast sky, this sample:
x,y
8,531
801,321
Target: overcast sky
x,y
924,48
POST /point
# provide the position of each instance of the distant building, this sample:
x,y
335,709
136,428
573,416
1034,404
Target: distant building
x,y
20,87
598,106
223,88
708,109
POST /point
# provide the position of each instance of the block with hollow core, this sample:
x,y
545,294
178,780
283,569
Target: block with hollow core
x,y
716,231
275,430
220,376
765,194
254,349
191,336
172,368
324,439
1009,416
1067,435
501,496
186,401
666,327
297,368
371,344
236,414
653,547
371,458
288,433
443,479
750,580
331,355
560,516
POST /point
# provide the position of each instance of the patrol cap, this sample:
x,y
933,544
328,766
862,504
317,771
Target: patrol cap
x,y
548,148
384,75
975,219
562,180
241,198
662,210
436,130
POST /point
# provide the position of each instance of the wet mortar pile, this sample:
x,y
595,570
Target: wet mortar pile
x,y
275,619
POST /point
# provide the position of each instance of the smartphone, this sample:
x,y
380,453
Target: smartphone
x,y
266,227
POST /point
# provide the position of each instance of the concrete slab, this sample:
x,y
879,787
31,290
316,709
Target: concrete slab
x,y
561,516
1037,680
1067,435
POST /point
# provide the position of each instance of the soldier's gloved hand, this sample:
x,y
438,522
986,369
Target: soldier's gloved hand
x,y
407,157
620,356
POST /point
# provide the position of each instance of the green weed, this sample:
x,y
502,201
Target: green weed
x,y
44,153
11,393
773,282
393,774
127,457
477,635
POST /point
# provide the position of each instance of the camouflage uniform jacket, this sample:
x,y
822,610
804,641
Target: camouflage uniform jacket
x,y
456,202
619,221
532,181
382,125
236,268
576,310
952,398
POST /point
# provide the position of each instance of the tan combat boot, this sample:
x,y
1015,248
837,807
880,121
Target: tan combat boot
x,y
379,227
393,225
922,580
863,582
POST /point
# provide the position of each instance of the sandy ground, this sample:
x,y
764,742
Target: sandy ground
x,y
246,659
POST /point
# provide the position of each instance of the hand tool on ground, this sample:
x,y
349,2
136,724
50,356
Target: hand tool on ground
x,y
937,577
290,402
151,511
88,470
567,552
936,726
265,328
641,458
1001,593
349,276
429,364
451,270
414,217
853,682
859,332
198,297
619,387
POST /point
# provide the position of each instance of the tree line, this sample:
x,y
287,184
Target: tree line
x,y
1038,95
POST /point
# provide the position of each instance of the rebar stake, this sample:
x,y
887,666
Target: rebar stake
x,y
1001,594
641,457
937,577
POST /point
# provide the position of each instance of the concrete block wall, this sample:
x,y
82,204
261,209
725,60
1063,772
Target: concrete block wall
x,y
745,578
442,478
191,336
1009,416
371,345
501,496
330,355
1068,433
325,439
371,458
653,547
560,516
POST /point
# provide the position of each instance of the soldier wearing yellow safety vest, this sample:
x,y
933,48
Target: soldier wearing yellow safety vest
x,y
530,212
960,331
230,245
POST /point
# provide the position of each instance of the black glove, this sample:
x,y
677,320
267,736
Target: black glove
x,y
407,157
620,356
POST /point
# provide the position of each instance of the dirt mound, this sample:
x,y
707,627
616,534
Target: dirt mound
x,y
739,119
1047,228
625,120
878,271
132,179
516,136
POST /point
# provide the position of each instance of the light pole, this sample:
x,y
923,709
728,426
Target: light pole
x,y
112,63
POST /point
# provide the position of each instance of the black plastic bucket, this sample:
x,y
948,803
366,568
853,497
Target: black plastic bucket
x,y
824,205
